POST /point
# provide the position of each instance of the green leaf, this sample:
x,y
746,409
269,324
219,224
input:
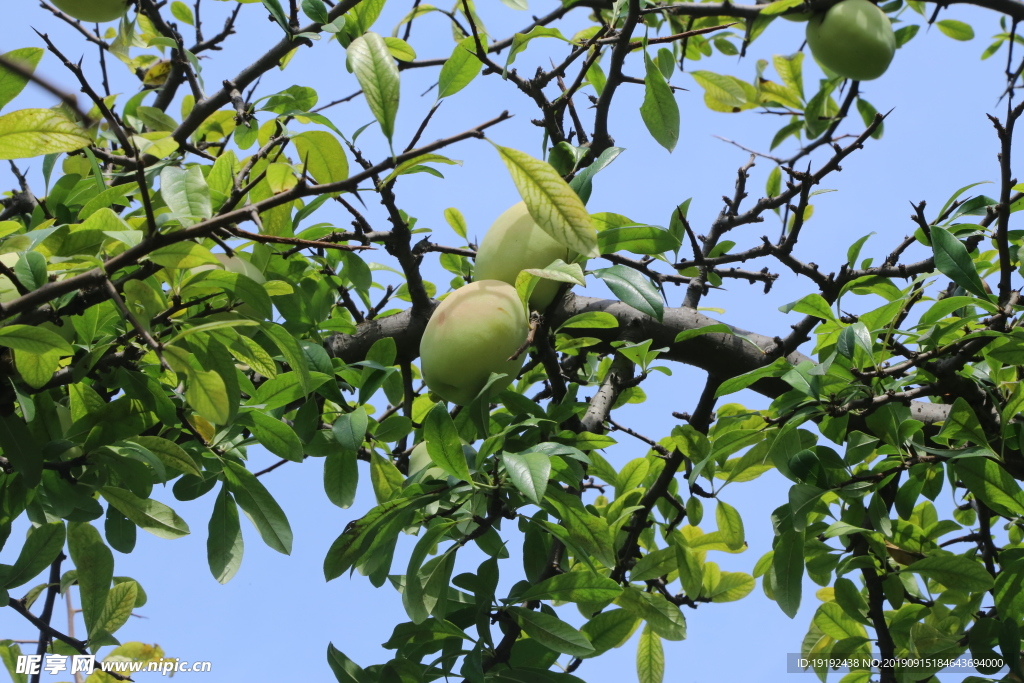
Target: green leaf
x,y
276,11
34,340
377,73
520,41
962,423
183,255
634,289
11,84
609,629
661,615
992,485
589,532
151,515
650,656
31,133
560,271
528,472
953,261
186,193
639,239
345,670
787,571
812,304
322,155
552,632
575,587
412,596
207,393
778,368
260,507
591,320
360,535
555,207
20,448
583,182
954,571
275,435
400,50
443,443
41,548
350,429
118,607
316,10
170,454
224,545
957,30
659,110
730,525
94,564
460,69
341,477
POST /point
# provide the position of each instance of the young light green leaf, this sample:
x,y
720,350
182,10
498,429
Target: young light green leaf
x,y
207,394
639,239
650,657
610,629
460,69
377,73
730,525
322,155
186,193
957,30
551,202
36,340
31,133
118,607
659,110
151,515
11,83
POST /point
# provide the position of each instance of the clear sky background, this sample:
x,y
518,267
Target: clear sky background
x,y
275,618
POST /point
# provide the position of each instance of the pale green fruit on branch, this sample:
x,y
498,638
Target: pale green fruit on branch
x,y
93,11
854,38
514,243
471,334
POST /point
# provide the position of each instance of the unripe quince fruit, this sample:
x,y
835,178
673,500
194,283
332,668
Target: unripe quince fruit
x,y
471,334
854,38
514,243
93,11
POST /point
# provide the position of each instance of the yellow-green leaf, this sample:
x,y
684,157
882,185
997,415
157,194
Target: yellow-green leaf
x,y
34,132
556,208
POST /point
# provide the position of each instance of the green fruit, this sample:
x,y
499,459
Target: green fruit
x,y
514,243
93,11
854,38
471,334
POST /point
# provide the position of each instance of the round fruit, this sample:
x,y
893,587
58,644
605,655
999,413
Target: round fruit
x,y
93,11
854,38
471,334
514,243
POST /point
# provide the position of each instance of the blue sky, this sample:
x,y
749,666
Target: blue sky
x,y
277,615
